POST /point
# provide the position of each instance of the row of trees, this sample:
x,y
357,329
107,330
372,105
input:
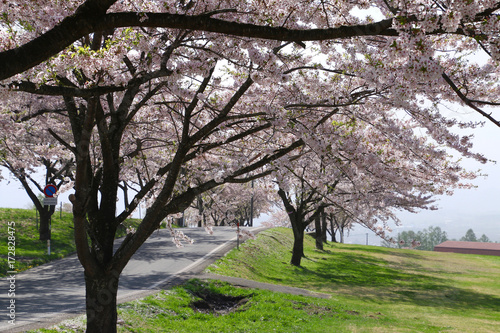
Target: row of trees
x,y
421,240
428,238
172,103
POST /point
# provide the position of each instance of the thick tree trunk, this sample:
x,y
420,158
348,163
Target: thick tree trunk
x,y
298,246
44,229
298,227
100,301
317,225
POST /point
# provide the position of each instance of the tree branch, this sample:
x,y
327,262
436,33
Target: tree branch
x,y
87,20
467,101
47,90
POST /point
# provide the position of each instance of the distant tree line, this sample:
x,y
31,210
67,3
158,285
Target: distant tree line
x,y
428,238
470,236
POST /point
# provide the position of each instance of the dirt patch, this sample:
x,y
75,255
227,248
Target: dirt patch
x,y
353,313
220,304
313,309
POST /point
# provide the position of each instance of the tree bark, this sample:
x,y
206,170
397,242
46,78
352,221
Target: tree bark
x,y
298,228
332,228
324,226
100,299
298,246
319,235
44,229
199,203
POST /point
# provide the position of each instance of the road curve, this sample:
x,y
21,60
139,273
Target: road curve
x,y
55,291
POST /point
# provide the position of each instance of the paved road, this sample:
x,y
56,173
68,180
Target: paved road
x,y
55,291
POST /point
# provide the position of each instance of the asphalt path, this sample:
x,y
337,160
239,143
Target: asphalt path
x,y
55,291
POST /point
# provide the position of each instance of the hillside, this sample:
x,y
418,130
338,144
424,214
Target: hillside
x,y
407,290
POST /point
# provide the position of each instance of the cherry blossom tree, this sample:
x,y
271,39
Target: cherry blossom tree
x,y
23,148
57,173
362,167
169,118
172,98
339,222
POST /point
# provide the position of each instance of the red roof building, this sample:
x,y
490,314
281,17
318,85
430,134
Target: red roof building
x,y
491,249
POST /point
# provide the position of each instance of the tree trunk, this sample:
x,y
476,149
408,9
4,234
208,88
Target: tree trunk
x,y
324,226
100,300
298,245
44,229
317,225
199,204
332,228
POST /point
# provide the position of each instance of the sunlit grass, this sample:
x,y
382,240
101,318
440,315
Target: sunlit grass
x,y
456,292
30,251
256,311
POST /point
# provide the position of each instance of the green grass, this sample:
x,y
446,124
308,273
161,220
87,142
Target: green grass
x,y
178,310
416,291
259,311
30,251
372,289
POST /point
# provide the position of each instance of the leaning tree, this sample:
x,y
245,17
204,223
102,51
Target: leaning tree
x,y
171,113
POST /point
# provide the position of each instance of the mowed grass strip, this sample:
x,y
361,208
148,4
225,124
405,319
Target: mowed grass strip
x,y
184,309
201,306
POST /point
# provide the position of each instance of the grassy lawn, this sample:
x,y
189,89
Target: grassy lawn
x,y
414,291
184,309
30,251
372,289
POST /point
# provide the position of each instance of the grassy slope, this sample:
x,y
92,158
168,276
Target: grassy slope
x,y
30,251
373,290
411,290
